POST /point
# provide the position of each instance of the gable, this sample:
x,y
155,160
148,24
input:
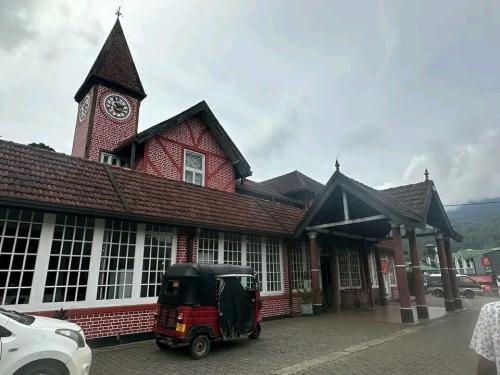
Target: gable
x,y
203,112
163,154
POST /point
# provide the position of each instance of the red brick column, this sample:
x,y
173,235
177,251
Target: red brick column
x,y
316,291
404,292
380,278
422,310
453,274
449,303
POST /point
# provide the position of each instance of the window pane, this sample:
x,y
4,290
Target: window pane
x,y
198,179
254,255
188,176
208,246
18,252
114,283
194,161
157,257
273,264
232,249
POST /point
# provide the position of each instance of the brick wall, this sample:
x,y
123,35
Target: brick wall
x,y
81,129
111,321
105,132
164,154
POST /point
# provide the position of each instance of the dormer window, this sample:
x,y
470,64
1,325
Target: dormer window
x,y
113,160
194,167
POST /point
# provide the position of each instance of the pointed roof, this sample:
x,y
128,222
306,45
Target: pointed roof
x,y
414,196
415,204
114,66
291,182
203,110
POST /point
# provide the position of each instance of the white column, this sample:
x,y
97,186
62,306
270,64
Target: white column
x,y
244,250
173,255
139,256
95,260
220,251
42,260
264,264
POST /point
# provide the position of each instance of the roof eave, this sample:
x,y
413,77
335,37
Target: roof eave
x,y
94,79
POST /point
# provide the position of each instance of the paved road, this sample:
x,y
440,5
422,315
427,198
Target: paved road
x,y
318,345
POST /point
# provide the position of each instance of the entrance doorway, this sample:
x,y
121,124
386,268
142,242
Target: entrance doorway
x,y
326,281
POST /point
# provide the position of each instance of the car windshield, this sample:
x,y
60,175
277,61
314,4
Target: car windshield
x,y
18,317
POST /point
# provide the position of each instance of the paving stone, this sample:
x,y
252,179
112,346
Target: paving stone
x,y
319,344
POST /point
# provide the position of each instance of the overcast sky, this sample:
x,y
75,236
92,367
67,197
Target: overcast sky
x,y
389,88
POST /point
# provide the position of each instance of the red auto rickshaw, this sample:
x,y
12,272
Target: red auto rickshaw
x,y
202,303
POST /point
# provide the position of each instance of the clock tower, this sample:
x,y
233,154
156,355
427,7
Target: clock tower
x,y
108,100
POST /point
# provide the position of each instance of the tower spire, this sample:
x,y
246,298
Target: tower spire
x,y
119,13
337,165
426,174
114,66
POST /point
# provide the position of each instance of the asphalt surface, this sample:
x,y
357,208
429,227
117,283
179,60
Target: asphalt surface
x,y
318,345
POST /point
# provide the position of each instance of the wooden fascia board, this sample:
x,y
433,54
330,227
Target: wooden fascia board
x,y
313,210
375,203
347,222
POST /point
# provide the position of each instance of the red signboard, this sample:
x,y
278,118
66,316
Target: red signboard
x,y
385,266
485,261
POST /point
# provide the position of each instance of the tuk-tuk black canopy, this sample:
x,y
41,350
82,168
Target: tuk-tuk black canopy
x,y
197,283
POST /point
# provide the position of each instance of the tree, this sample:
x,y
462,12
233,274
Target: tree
x,y
41,145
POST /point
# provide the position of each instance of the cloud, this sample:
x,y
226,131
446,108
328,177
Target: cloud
x,y
15,23
462,172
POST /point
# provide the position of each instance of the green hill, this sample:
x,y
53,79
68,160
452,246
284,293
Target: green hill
x,y
479,224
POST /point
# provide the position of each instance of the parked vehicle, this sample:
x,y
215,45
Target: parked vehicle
x,y
467,287
200,304
35,345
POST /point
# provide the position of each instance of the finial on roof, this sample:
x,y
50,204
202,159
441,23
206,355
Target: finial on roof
x,y
337,165
119,13
426,175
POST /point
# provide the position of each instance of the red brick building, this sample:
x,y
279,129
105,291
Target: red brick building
x,y
92,233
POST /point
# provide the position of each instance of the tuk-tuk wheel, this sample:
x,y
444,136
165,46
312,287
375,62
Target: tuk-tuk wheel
x,y
162,345
199,347
255,333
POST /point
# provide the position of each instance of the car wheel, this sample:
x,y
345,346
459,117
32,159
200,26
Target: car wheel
x,y
469,294
43,367
162,345
438,293
255,333
199,347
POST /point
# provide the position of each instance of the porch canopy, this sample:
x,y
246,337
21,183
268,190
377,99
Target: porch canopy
x,y
349,209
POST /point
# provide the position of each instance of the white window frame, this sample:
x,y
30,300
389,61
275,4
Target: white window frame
x,y
113,160
219,259
71,255
305,266
348,253
194,171
173,255
42,263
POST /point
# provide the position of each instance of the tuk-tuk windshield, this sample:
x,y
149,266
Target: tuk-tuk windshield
x,y
247,281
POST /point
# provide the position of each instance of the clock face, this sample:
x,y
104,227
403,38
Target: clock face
x,y
84,108
117,106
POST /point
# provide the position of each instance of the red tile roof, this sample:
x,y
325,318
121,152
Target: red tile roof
x,y
293,181
56,181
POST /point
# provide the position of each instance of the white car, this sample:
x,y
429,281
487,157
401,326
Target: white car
x,y
35,345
